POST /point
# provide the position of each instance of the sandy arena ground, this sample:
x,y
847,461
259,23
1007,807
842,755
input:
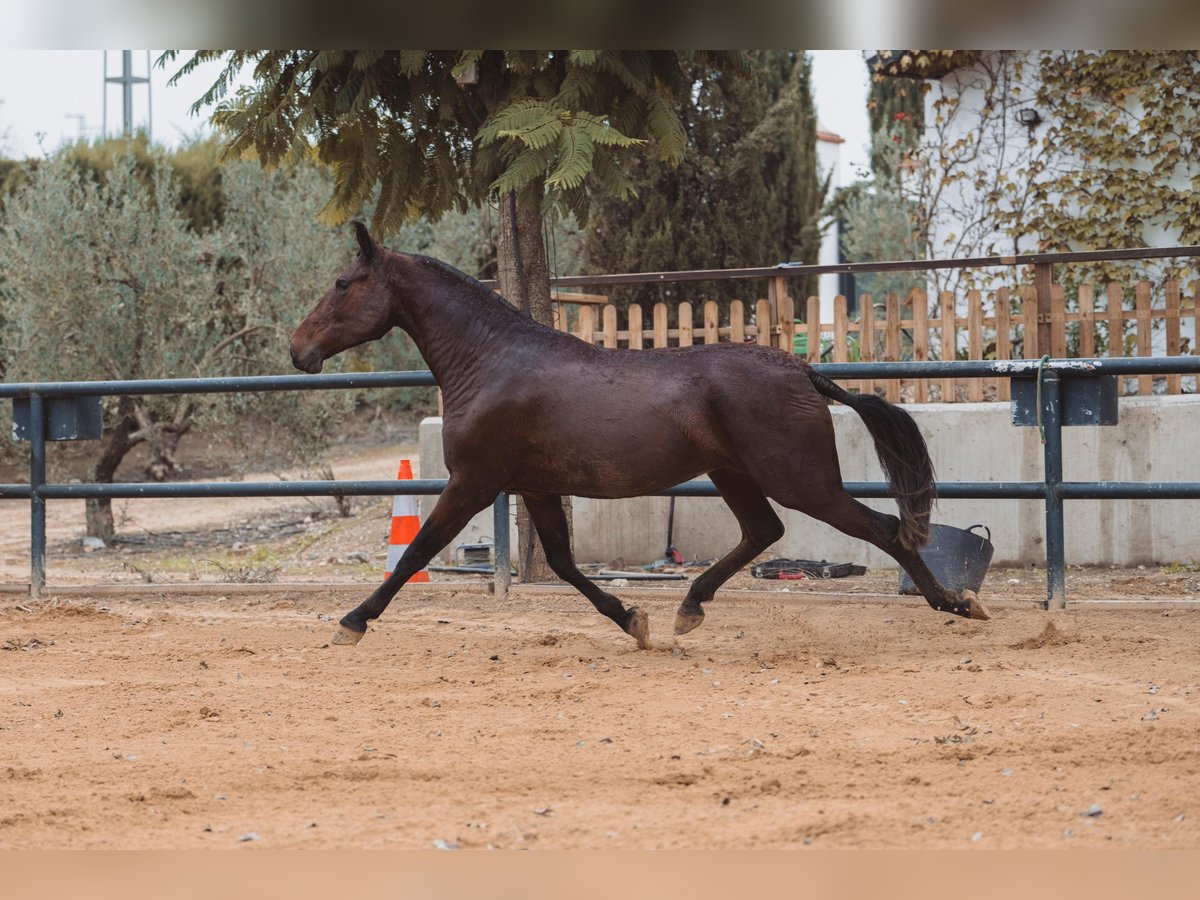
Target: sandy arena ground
x,y
466,721
213,713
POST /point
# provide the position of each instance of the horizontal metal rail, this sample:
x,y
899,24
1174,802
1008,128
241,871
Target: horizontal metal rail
x,y
947,490
249,384
802,270
982,368
1052,490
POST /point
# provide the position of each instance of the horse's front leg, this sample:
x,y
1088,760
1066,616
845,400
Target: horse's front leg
x,y
546,513
461,500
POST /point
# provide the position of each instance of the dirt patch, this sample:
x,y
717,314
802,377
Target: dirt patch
x,y
461,720
1050,636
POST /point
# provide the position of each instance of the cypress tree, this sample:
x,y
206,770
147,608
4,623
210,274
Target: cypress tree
x,y
747,194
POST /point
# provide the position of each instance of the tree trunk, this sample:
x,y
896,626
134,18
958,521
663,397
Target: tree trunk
x,y
116,444
523,273
164,446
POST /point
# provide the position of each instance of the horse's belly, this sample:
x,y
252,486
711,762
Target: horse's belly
x,y
629,466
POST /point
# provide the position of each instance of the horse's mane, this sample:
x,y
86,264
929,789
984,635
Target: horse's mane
x,y
482,292
448,269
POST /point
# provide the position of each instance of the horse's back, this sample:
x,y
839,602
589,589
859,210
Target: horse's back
x,y
612,423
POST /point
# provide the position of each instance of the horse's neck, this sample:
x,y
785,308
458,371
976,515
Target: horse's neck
x,y
459,331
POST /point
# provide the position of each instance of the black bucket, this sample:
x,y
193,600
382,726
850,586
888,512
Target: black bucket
x,y
958,559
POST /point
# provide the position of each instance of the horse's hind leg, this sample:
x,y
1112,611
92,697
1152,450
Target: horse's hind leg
x,y
760,528
833,505
546,513
454,509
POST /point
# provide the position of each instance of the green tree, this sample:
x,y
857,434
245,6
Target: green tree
x,y
896,112
424,132
427,132
879,222
106,278
747,194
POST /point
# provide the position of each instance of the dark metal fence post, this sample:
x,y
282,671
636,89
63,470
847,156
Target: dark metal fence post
x,y
503,568
1056,563
37,504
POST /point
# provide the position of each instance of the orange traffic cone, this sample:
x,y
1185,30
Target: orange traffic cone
x,y
406,522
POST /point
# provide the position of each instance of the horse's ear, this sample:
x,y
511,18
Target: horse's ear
x,y
368,246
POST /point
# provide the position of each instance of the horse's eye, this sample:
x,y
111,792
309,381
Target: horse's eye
x,y
342,284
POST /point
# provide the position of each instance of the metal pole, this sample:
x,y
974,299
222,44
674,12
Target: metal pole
x,y
127,91
503,571
149,99
1056,583
37,504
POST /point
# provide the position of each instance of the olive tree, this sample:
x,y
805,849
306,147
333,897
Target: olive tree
x,y
104,278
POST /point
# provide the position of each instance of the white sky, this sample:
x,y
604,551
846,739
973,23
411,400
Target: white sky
x,y
44,92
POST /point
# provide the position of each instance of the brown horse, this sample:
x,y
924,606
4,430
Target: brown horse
x,y
540,413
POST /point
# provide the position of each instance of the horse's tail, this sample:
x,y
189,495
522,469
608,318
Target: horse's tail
x,y
902,452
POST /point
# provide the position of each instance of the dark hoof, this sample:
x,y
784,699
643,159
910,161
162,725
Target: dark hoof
x,y
972,607
349,632
688,618
637,626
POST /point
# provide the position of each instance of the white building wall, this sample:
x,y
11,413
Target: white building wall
x,y
828,162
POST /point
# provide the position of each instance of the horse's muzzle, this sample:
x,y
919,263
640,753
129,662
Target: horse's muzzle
x,y
310,362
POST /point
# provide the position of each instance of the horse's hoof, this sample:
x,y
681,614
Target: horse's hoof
x,y
346,636
638,627
974,606
688,619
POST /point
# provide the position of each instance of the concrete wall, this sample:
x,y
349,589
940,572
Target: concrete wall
x,y
1158,439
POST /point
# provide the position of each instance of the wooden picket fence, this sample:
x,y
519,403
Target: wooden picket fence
x,y
993,327
598,324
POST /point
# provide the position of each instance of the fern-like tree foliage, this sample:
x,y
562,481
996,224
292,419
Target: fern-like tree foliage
x,y
419,132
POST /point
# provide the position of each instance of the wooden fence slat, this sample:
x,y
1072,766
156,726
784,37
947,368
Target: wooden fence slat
x,y
762,323
1174,342
1141,293
587,324
610,326
1058,322
974,342
866,337
737,322
814,329
841,329
949,348
1087,322
1003,339
636,333
1196,330
920,334
1116,327
660,324
1029,323
785,314
685,324
892,344
712,322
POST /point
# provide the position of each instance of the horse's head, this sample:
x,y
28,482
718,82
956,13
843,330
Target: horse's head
x,y
357,309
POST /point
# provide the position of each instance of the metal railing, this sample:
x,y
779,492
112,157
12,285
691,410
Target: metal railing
x,y
1052,490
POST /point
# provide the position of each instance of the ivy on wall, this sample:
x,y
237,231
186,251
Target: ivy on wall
x,y
1124,125
1107,157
